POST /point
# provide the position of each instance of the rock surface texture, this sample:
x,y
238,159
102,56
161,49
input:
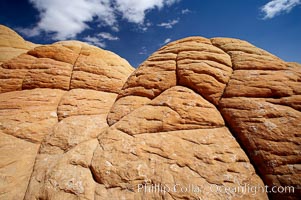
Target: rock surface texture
x,y
198,119
53,104
11,44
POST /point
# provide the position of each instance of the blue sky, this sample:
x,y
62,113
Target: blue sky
x,y
136,28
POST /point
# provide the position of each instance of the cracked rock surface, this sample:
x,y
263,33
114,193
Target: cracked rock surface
x,y
77,122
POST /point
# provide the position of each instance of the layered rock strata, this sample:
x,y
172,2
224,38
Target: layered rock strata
x,y
11,44
198,116
53,104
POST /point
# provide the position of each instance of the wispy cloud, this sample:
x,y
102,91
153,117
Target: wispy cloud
x,y
169,24
107,36
143,51
64,19
167,40
144,27
135,10
95,41
276,7
185,11
100,39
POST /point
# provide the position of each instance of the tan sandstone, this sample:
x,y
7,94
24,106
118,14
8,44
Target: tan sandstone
x,y
80,123
49,121
11,44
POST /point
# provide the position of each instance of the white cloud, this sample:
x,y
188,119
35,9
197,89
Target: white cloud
x,y
115,28
135,10
143,51
144,27
100,39
169,24
65,19
30,32
167,40
95,41
276,7
107,36
185,11
170,2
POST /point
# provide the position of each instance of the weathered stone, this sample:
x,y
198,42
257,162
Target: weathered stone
x,y
177,138
171,111
17,158
99,70
11,44
74,130
65,65
207,70
29,114
261,104
190,157
64,176
85,102
172,123
124,106
48,134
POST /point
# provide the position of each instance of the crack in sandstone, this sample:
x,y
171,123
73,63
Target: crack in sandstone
x,y
22,84
211,58
57,109
193,170
74,66
194,142
229,127
178,51
177,71
176,131
177,83
23,138
31,175
282,104
156,153
169,131
230,77
215,77
40,146
251,140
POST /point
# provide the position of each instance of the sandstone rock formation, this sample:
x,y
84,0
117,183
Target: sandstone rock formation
x,y
65,65
11,44
54,99
202,114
